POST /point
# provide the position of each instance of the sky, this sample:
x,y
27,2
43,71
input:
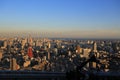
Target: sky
x,y
61,18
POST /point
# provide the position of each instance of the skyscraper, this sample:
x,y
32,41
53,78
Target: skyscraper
x,y
13,64
78,49
8,48
95,53
49,45
94,47
5,44
1,54
23,43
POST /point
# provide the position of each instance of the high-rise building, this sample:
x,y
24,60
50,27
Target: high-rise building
x,y
49,45
56,51
94,47
114,47
13,64
95,53
48,55
5,44
86,53
8,48
1,54
78,49
23,43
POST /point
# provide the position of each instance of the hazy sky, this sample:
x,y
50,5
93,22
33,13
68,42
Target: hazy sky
x,y
61,18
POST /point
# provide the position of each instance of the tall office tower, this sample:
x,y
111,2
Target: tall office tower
x,y
86,53
92,64
23,43
44,58
1,54
56,51
38,43
48,55
58,44
94,52
8,48
13,64
114,47
94,47
78,49
30,53
49,45
5,44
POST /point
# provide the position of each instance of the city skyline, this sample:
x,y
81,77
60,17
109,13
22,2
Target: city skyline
x,y
61,18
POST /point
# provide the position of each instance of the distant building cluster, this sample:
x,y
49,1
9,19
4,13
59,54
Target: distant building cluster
x,y
58,55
